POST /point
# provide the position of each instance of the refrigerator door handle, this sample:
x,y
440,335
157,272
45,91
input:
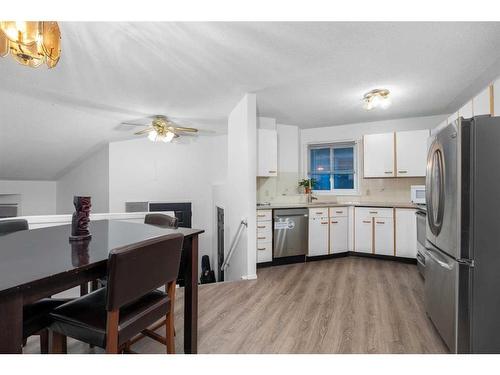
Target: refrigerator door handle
x,y
432,254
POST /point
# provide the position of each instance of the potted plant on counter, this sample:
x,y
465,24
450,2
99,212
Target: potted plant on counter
x,y
308,184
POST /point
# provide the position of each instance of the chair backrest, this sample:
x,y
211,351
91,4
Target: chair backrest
x,y
162,220
11,226
136,270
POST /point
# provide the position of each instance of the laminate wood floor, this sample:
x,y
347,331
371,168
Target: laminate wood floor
x,y
343,305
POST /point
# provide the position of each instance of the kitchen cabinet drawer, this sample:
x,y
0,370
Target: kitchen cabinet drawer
x,y
264,252
318,212
339,229
338,212
318,236
264,215
264,232
367,212
384,236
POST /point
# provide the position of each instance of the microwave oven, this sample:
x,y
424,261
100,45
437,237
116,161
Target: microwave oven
x,y
418,194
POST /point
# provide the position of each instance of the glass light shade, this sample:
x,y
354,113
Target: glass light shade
x,y
51,41
385,102
152,135
4,45
27,55
24,32
168,137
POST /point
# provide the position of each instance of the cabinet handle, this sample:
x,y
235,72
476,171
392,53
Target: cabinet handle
x,y
366,221
271,171
261,238
387,172
324,222
373,212
380,222
402,171
261,226
261,215
319,213
261,248
339,212
334,222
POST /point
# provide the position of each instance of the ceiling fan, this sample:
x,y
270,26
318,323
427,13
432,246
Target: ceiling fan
x,y
163,129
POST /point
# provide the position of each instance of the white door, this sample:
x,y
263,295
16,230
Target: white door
x,y
339,234
363,235
411,153
318,236
378,155
267,153
384,236
406,233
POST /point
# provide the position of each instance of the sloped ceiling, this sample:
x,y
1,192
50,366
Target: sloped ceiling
x,y
307,74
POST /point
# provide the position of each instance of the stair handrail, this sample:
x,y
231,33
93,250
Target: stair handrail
x,y
243,224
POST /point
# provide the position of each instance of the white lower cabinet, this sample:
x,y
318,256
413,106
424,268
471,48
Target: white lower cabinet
x,y
384,236
374,230
363,234
318,236
264,236
339,230
406,233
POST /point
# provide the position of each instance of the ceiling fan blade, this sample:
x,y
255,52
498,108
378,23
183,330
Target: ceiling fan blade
x,y
184,129
133,124
144,131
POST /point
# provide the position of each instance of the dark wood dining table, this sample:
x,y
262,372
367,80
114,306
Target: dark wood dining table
x,y
39,263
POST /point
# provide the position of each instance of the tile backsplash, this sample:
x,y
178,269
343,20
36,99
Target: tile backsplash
x,y
284,189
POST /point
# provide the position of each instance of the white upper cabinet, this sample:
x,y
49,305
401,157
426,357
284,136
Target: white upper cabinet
x,y
481,103
453,117
378,155
466,110
411,153
267,144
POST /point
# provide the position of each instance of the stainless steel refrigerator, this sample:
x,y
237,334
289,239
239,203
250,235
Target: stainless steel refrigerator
x,y
462,283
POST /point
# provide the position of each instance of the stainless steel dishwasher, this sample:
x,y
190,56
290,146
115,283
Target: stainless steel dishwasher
x,y
290,232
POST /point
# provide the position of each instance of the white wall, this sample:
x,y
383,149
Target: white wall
x,y
140,170
240,189
350,132
34,197
89,178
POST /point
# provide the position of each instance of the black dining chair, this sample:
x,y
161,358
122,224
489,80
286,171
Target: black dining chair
x,y
36,317
119,315
162,220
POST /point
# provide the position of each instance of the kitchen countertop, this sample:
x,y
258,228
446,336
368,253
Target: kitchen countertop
x,y
340,204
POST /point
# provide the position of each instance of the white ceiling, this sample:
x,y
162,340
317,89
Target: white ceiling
x,y
307,74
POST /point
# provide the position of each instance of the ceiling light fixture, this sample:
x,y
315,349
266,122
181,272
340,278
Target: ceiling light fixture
x,y
376,98
31,43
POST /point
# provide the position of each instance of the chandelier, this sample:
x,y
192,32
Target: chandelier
x,y
31,43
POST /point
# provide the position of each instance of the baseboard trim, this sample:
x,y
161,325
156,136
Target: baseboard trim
x,y
249,277
383,257
329,256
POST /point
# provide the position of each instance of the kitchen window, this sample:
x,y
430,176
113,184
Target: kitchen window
x,y
334,167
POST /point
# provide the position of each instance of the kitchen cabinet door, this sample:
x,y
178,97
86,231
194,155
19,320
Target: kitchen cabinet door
x,y
384,236
378,155
318,236
363,235
267,154
411,153
339,234
406,233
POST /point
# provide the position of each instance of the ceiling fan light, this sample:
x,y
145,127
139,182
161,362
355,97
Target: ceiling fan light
x,y
152,135
168,137
376,98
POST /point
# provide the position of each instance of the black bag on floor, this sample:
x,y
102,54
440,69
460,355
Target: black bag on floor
x,y
207,275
